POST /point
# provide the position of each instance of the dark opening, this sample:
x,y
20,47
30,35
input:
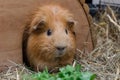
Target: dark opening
x,y
88,1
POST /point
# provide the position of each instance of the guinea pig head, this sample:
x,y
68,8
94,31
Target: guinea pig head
x,y
51,40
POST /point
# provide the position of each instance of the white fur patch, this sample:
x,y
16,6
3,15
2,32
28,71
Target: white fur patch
x,y
55,10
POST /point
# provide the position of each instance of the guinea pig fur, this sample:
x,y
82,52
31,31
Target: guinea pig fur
x,y
49,38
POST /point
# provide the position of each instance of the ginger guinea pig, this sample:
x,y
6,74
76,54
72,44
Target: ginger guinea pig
x,y
49,38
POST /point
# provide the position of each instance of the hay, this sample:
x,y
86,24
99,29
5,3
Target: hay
x,y
15,72
104,60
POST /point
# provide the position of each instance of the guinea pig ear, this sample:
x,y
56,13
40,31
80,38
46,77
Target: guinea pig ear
x,y
39,27
71,23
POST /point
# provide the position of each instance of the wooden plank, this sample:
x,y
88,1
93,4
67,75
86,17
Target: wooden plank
x,y
13,14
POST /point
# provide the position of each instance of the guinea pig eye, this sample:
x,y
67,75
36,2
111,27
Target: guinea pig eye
x,y
49,32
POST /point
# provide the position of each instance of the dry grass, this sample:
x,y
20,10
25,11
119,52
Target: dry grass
x,y
104,60
15,72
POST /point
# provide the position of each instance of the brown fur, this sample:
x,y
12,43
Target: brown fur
x,y
39,48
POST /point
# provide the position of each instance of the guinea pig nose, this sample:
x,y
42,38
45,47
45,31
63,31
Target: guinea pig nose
x,y
60,48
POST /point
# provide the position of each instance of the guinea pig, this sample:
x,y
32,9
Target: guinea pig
x,y
49,38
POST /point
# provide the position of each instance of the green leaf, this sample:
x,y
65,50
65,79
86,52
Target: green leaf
x,y
93,77
78,67
66,73
87,76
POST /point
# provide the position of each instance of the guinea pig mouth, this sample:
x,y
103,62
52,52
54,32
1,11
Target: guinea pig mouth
x,y
59,53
